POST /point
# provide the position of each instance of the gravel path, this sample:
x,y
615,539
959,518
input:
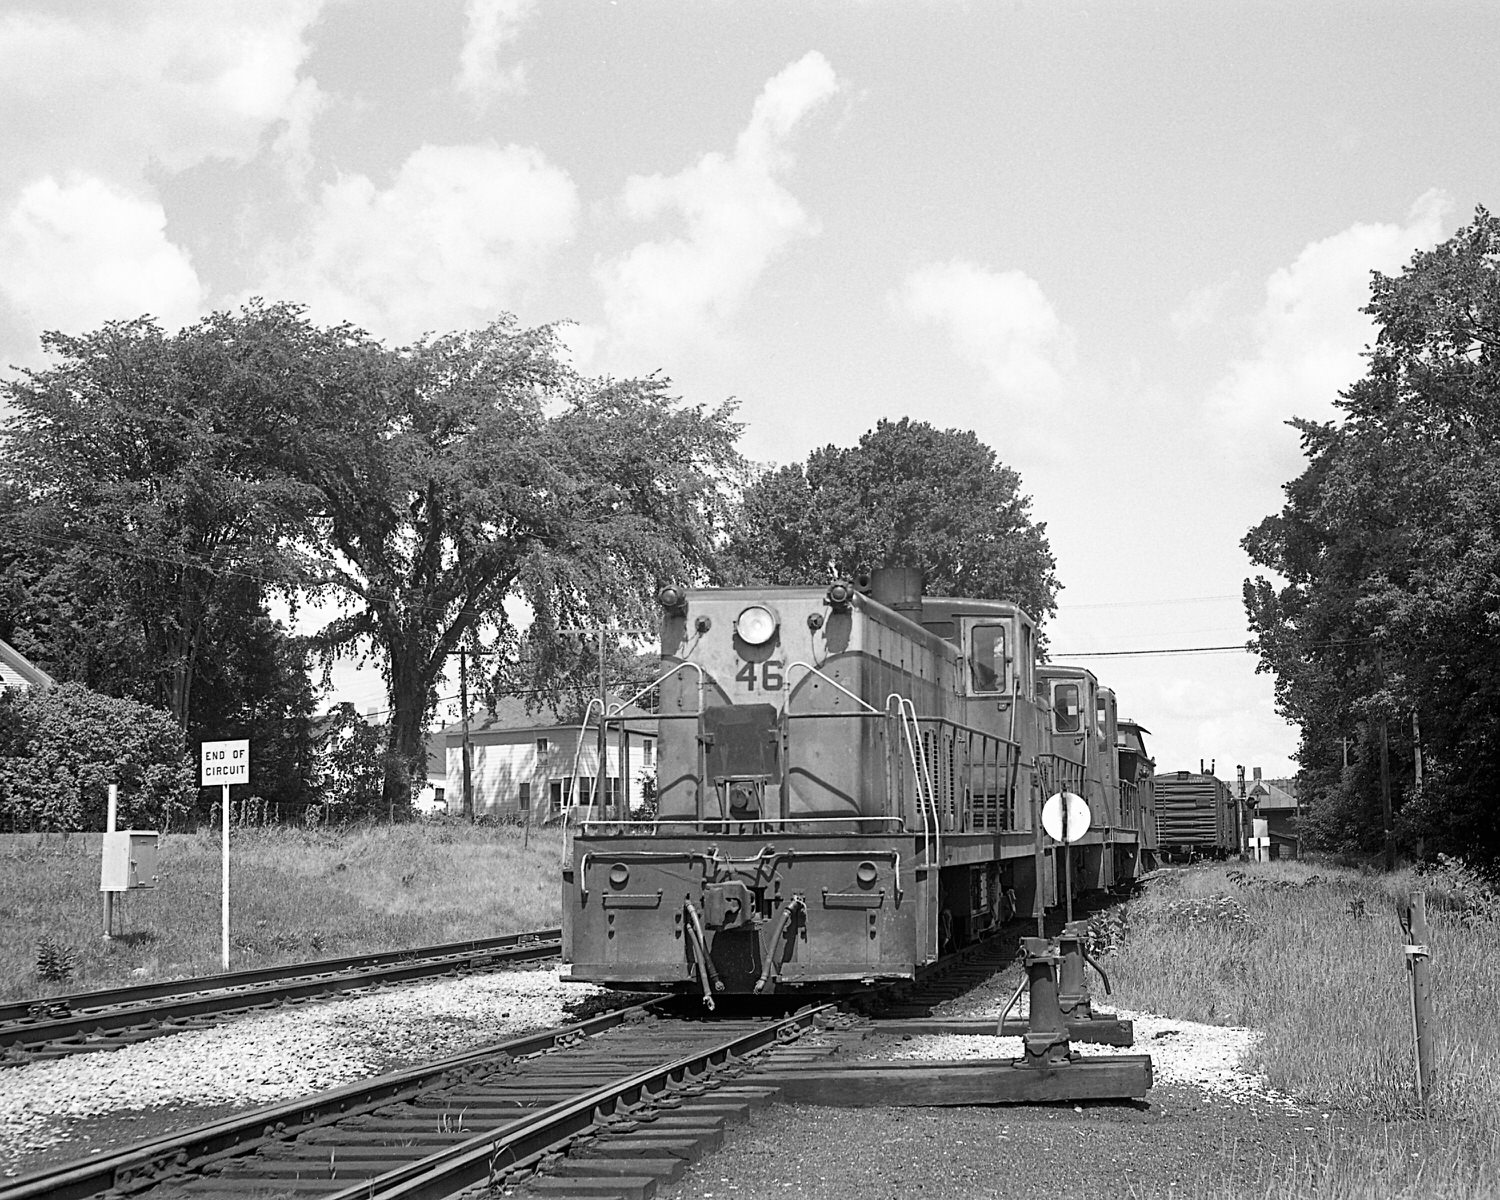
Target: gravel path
x,y
70,1106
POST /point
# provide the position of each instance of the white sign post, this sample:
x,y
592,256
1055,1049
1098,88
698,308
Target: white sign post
x,y
225,763
1066,818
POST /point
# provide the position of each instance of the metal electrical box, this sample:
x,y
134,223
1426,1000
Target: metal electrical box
x,y
129,860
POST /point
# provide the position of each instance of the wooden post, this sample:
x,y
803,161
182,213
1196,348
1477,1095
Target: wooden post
x,y
1040,869
1413,918
109,827
224,891
1385,797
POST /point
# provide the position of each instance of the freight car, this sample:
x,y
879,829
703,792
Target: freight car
x,y
1195,816
849,783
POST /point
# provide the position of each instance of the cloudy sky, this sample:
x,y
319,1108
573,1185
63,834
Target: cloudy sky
x,y
1122,242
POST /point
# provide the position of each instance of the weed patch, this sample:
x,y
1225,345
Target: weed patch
x,y
1313,958
294,894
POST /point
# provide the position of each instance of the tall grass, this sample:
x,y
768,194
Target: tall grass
x,y
1312,955
294,894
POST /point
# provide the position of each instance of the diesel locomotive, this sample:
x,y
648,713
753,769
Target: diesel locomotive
x,y
849,785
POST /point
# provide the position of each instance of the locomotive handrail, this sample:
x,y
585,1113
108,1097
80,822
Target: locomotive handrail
x,y
607,714
583,728
618,710
906,713
828,678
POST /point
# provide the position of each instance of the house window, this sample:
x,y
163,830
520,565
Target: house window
x,y
558,790
525,797
439,795
541,745
648,751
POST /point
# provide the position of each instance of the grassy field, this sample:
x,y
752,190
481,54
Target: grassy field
x,y
1312,955
1309,954
294,894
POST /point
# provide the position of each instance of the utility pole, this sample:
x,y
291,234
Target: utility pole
x,y
1385,796
463,716
1239,814
1416,748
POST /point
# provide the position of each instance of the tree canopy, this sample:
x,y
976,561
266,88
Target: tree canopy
x,y
493,481
1389,546
152,507
467,490
907,495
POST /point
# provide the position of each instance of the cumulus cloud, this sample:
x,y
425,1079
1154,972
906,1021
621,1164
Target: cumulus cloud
x,y
999,321
458,234
1202,307
1310,332
489,26
97,97
80,253
735,216
108,88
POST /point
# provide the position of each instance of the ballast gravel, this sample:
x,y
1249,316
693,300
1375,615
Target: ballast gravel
x,y
263,1058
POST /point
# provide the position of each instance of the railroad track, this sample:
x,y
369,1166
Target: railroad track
x,y
104,1020
633,1095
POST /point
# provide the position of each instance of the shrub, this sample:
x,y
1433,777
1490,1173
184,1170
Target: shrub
x,y
67,744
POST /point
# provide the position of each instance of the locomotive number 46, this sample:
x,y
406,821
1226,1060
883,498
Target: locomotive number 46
x,y
771,679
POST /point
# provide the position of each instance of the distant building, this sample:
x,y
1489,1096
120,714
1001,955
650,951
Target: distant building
x,y
17,671
529,765
1275,802
432,797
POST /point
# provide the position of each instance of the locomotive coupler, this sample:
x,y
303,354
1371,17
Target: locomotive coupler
x,y
727,905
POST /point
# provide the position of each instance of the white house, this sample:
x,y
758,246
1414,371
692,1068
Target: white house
x,y
530,766
16,671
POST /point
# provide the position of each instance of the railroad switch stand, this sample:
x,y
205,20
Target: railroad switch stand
x,y
1049,1069
1073,999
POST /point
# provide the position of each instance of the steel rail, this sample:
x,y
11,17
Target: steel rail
x,y
157,1160
55,1018
479,1159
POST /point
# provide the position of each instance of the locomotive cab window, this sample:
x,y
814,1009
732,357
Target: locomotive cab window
x,y
987,662
1066,714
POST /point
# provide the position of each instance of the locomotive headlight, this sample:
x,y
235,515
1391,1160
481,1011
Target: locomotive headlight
x,y
756,625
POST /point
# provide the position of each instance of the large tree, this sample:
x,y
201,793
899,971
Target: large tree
x,y
486,497
152,504
907,495
1389,545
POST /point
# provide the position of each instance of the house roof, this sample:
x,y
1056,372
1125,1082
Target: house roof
x,y
510,715
16,670
1268,796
